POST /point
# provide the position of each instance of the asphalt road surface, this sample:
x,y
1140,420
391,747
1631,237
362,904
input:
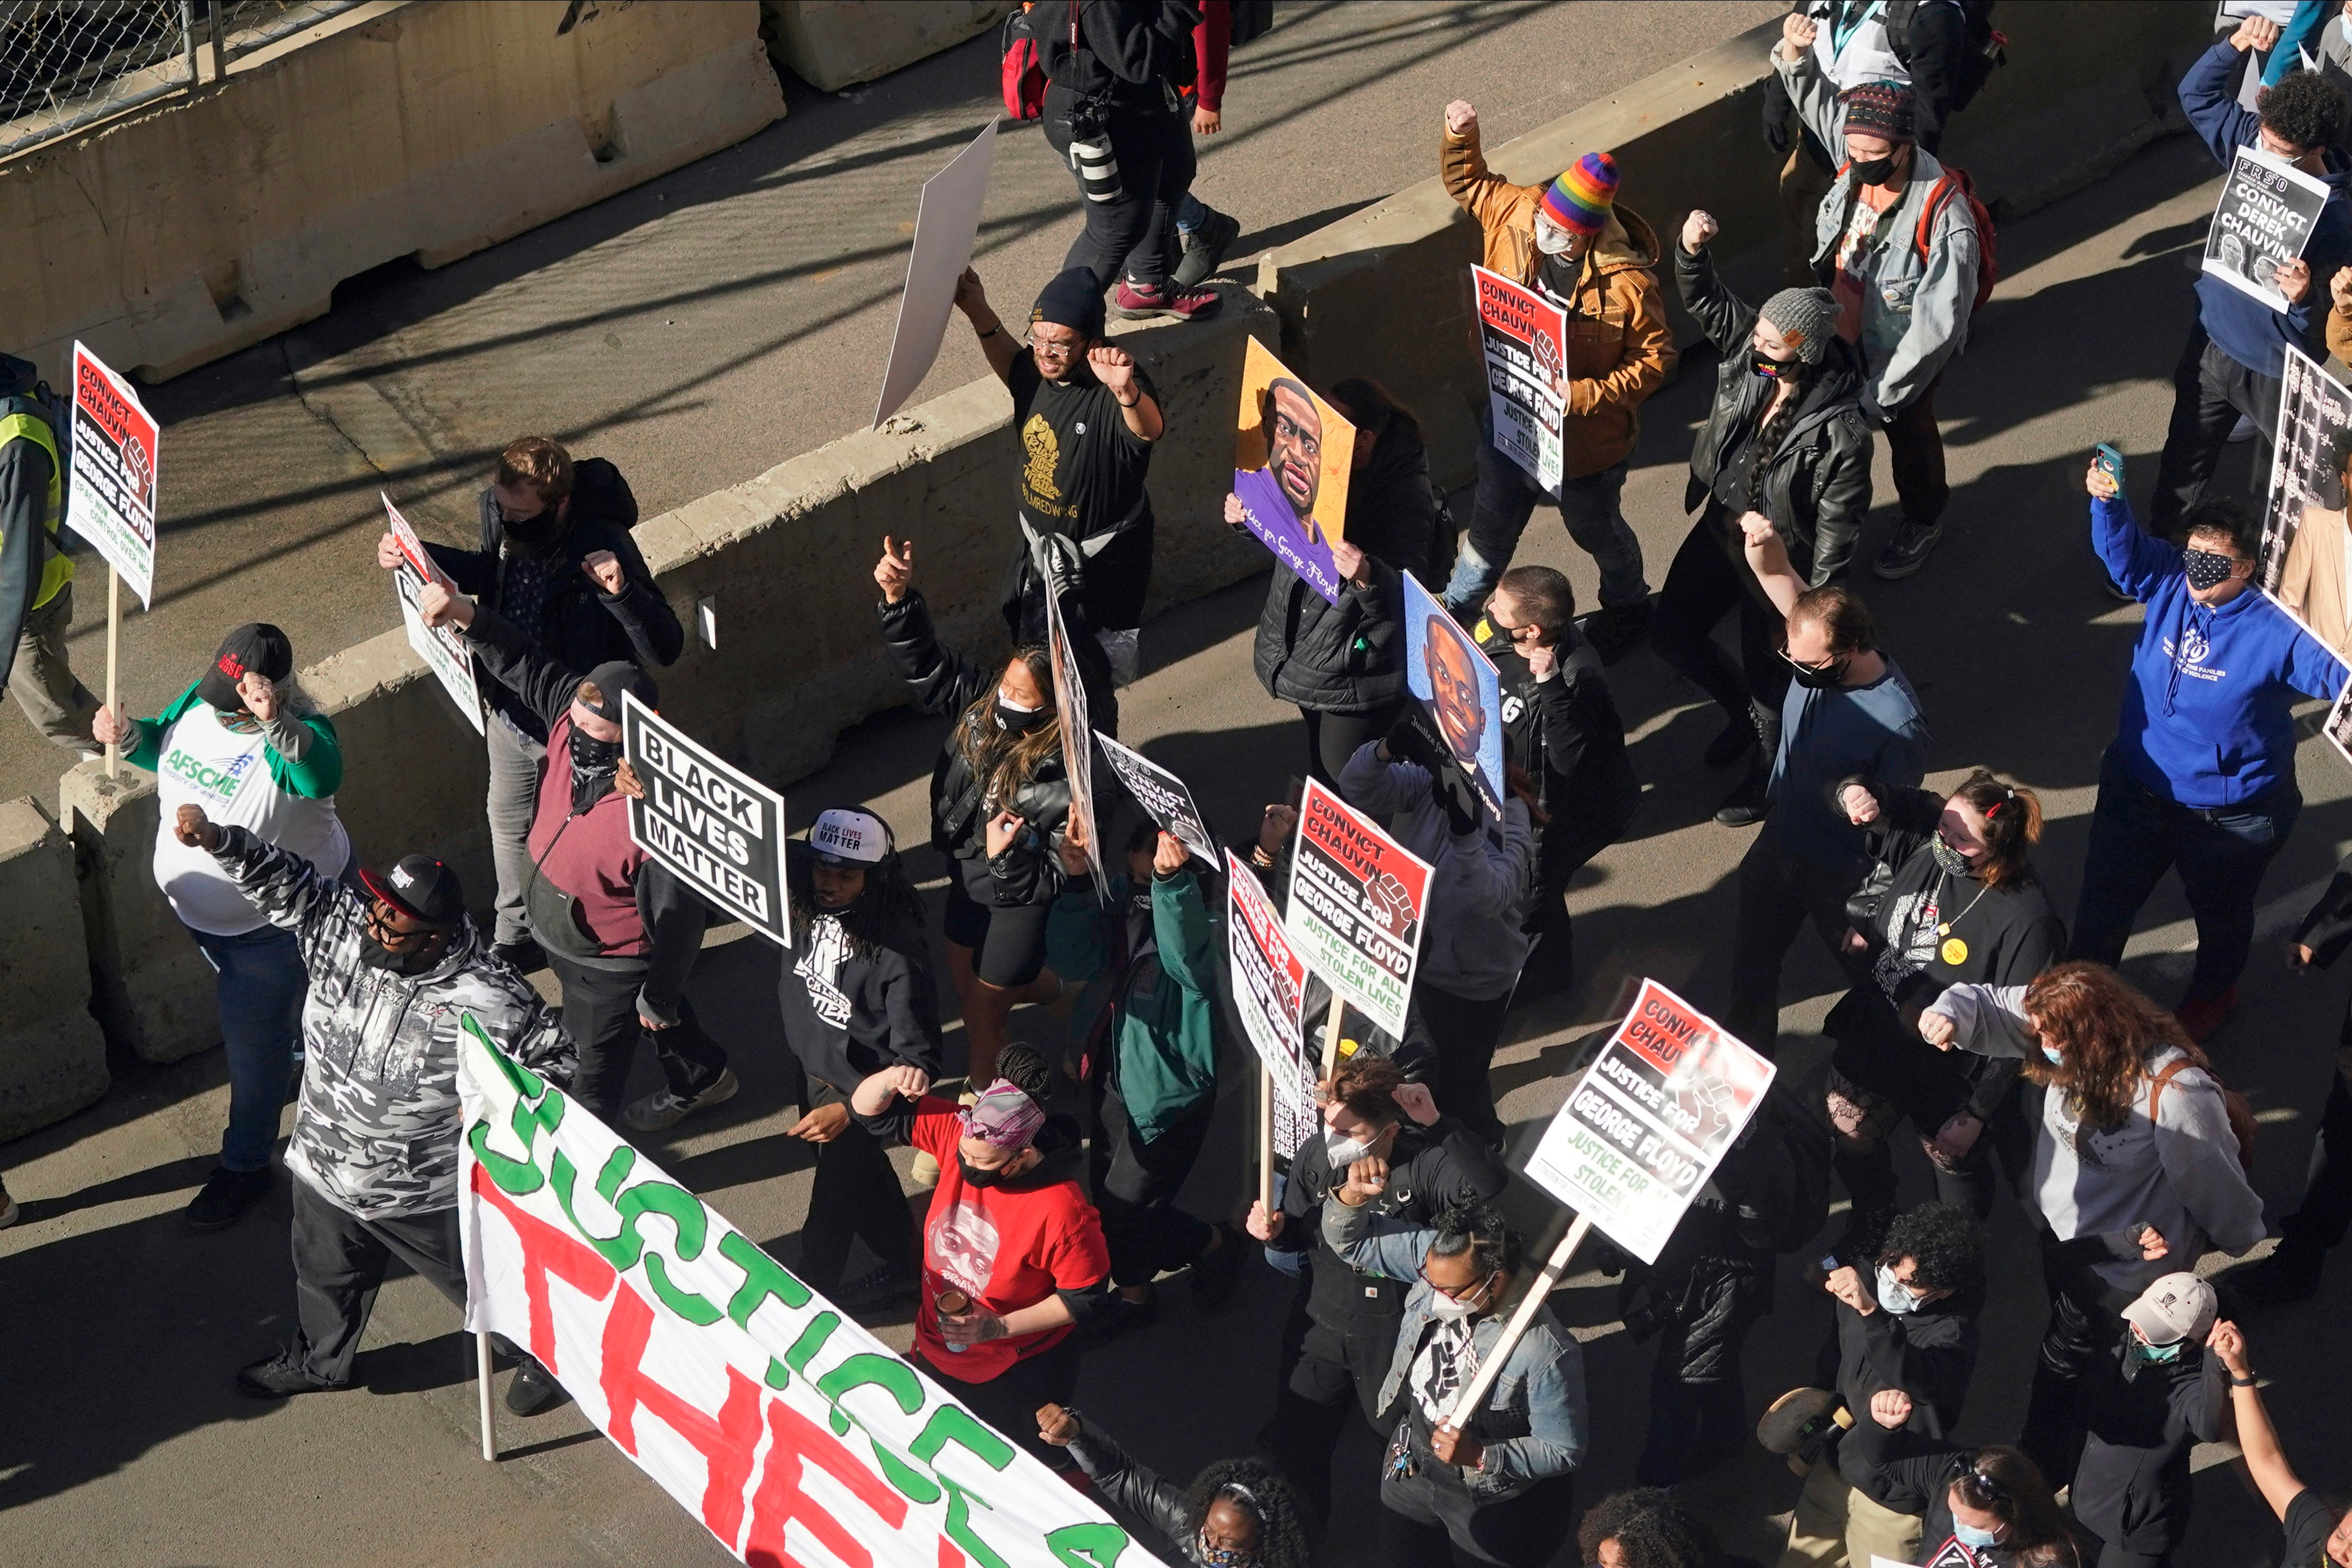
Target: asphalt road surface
x,y
122,1441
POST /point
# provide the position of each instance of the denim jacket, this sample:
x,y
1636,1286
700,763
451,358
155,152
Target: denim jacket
x,y
1540,1396
1914,316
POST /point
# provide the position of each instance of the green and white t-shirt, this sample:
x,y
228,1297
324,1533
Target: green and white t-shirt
x,y
201,761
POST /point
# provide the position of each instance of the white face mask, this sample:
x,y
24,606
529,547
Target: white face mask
x,y
1450,1310
1344,1151
1895,1296
1553,240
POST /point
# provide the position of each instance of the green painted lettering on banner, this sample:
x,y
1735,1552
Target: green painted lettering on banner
x,y
1088,1545
887,1372
950,1424
624,1247
960,1530
762,1276
811,1340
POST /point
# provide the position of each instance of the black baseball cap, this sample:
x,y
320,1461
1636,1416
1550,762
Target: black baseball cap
x,y
611,679
422,888
256,646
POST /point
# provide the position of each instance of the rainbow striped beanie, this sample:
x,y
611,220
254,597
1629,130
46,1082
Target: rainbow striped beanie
x,y
1579,199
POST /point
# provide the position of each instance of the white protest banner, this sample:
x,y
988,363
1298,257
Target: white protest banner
x,y
2306,485
443,648
111,501
720,829
795,1435
2261,221
1356,902
946,223
1269,990
1525,338
2339,725
1078,755
1162,796
1649,1122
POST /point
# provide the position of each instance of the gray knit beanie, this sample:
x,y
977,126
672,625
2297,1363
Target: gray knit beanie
x,y
1808,315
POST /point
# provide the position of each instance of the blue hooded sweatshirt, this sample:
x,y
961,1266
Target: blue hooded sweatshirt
x,y
2243,327
2206,718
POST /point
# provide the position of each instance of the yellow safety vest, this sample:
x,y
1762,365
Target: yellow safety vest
x,y
58,569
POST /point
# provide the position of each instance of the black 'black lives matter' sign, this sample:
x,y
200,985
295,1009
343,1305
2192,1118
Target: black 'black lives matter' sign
x,y
714,825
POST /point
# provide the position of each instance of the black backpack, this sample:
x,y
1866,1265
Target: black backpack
x,y
1982,47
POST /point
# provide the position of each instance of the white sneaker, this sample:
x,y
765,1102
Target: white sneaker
x,y
663,1108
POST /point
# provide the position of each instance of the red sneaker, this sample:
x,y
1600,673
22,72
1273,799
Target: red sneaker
x,y
2204,1017
1136,301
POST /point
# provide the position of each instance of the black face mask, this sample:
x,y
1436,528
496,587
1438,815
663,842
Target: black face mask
x,y
1770,368
975,1176
2207,568
540,528
1873,171
1821,680
1016,721
376,956
592,764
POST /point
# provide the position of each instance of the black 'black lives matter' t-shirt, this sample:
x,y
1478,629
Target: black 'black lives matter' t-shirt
x,y
1082,474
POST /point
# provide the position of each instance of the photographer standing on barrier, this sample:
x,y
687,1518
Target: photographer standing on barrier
x,y
1116,73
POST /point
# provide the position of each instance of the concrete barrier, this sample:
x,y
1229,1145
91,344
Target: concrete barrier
x,y
834,44
2087,86
209,221
152,989
52,1056
788,557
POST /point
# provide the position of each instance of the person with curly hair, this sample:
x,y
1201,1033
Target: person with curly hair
x,y
1911,1324
1646,1528
2230,366
2136,1133
1237,1513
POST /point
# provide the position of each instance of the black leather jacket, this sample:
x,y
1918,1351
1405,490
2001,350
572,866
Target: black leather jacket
x,y
1029,870
1817,489
1137,1490
1349,657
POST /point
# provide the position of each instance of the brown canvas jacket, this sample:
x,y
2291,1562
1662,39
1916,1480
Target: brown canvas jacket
x,y
1619,349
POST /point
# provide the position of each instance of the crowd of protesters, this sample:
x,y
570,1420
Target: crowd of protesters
x,y
1045,1220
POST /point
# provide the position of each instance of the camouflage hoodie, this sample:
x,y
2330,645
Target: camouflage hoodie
x,y
376,1131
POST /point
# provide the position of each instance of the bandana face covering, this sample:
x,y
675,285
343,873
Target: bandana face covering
x,y
2207,569
593,764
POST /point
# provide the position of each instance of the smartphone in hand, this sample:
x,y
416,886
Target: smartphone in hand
x,y
2110,462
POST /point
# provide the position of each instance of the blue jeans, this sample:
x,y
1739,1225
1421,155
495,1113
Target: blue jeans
x,y
1191,214
2220,854
1506,498
261,986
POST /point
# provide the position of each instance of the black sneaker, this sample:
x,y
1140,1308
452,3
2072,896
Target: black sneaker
x,y
1204,248
884,1285
1748,804
1615,629
1738,737
1909,550
1117,1318
1215,1271
282,1376
226,1196
525,958
532,1390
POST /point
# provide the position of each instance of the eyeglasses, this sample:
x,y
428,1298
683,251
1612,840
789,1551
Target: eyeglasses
x,y
1469,1293
1289,430
1822,668
380,925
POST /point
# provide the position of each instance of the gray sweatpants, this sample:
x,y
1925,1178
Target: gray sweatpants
x,y
513,797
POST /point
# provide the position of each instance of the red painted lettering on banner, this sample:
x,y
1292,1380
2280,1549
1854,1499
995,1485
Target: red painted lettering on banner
x,y
800,1443
727,1440
546,1251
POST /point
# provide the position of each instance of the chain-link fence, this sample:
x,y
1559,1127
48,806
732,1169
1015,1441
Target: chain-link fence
x,y
65,64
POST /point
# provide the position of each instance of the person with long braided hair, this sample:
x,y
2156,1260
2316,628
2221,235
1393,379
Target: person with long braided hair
x,y
1785,439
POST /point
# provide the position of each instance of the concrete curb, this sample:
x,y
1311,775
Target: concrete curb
x,y
52,1054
